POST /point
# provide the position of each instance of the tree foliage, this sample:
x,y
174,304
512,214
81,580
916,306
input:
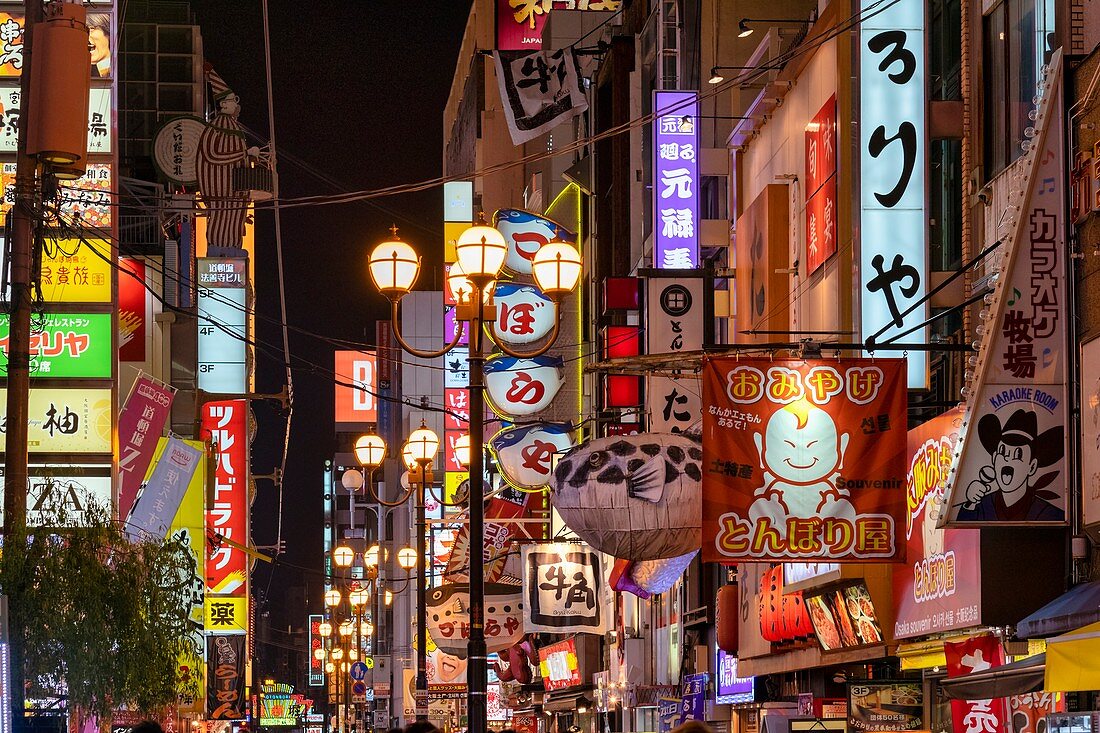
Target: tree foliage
x,y
106,619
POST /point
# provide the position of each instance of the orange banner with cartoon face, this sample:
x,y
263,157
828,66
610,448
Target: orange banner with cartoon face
x,y
804,460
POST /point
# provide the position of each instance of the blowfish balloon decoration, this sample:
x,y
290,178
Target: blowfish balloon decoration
x,y
637,497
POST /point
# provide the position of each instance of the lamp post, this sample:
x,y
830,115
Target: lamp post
x,y
394,266
420,450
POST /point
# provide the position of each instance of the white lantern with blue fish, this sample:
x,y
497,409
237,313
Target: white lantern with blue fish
x,y
522,387
525,454
524,314
525,233
635,497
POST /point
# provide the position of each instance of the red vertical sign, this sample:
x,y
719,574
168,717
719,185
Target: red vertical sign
x,y
225,425
821,186
975,655
132,316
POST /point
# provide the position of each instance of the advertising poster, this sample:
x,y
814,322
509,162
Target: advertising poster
x,y
356,408
693,697
564,589
803,459
140,425
844,618
73,273
728,687
940,587
559,666
507,504
1011,461
11,44
449,616
99,119
225,424
886,706
133,311
65,491
66,420
520,22
163,490
668,714
87,200
65,345
187,526
225,678
976,654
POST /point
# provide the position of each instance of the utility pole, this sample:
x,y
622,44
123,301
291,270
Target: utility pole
x,y
16,475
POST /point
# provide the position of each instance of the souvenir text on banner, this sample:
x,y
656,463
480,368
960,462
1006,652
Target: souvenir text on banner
x,y
1010,462
803,459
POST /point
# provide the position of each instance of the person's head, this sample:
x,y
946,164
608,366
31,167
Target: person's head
x,y
421,726
693,726
147,726
99,36
509,730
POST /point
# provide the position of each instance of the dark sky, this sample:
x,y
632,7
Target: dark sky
x,y
359,90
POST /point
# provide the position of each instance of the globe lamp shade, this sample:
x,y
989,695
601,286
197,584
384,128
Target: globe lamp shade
x,y
462,289
372,556
462,450
324,629
358,597
352,480
343,557
406,558
480,251
332,598
330,667
353,654
370,450
556,268
318,654
366,628
337,653
347,628
422,445
394,267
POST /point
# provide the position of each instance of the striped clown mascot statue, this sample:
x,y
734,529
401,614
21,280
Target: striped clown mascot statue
x,y
222,149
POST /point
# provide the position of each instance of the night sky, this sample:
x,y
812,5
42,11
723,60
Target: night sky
x,y
359,91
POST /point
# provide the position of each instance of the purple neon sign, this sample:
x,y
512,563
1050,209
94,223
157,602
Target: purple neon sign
x,y
729,688
676,180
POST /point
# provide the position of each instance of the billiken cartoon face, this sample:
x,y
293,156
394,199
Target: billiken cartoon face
x,y
800,444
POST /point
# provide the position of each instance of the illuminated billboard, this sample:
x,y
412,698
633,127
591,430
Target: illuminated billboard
x,y
356,406
65,345
67,420
223,325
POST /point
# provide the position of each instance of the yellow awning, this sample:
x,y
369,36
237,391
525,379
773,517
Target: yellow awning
x,y
1071,661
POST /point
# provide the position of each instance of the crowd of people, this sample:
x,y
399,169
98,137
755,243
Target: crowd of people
x,y
424,726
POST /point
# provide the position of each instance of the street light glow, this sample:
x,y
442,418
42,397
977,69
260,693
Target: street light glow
x,y
481,250
394,267
370,450
556,268
332,598
343,557
422,444
406,558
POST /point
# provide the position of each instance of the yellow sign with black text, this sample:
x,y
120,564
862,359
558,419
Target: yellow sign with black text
x,y
226,615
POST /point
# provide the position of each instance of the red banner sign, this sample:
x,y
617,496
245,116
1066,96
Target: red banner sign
x,y
140,425
133,320
804,459
356,405
225,425
976,655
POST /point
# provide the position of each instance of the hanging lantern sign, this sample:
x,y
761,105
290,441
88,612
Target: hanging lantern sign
x,y
448,608
525,233
524,314
522,387
525,454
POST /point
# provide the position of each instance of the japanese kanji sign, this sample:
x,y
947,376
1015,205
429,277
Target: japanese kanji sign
x,y
892,132
563,589
65,345
160,496
11,44
1010,462
676,180
140,424
559,666
821,186
225,615
539,90
86,201
223,325
99,118
507,504
316,641
225,424
803,459
66,420
449,616
520,22
977,654
674,322
73,273
225,677
525,454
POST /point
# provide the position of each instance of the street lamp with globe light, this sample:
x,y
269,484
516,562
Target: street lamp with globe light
x,y
480,250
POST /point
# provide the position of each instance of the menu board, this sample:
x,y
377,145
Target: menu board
x,y
844,618
886,706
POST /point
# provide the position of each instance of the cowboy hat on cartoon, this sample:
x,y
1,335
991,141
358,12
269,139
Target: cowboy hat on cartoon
x,y
1011,487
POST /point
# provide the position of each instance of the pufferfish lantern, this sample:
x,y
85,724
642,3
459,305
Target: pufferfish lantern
x,y
636,497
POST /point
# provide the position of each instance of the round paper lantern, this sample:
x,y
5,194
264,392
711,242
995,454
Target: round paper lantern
x,y
726,617
636,497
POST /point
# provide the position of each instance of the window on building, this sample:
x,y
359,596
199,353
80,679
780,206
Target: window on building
x,y
1016,39
712,197
945,59
945,210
